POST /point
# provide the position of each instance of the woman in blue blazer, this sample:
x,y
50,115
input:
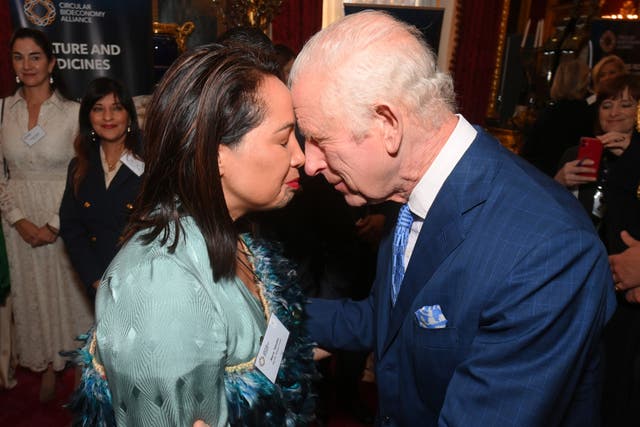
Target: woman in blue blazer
x,y
102,180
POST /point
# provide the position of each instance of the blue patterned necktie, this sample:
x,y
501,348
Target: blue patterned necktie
x,y
400,238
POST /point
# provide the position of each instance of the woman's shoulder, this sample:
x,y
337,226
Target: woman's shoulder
x,y
157,255
153,278
11,100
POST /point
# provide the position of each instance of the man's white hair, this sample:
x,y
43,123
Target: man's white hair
x,y
369,58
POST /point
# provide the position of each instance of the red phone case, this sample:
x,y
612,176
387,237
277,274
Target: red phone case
x,y
590,148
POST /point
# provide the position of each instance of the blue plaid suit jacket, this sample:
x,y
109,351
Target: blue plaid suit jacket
x,y
524,283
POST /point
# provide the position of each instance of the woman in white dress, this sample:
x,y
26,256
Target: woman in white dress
x,y
48,303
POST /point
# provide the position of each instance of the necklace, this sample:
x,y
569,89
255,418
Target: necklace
x,y
111,166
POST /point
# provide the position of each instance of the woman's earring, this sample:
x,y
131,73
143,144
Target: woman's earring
x,y
129,128
93,135
50,79
17,80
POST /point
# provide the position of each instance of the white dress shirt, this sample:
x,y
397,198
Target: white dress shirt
x,y
424,194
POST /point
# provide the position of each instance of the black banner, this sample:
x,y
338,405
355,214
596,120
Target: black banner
x,y
93,38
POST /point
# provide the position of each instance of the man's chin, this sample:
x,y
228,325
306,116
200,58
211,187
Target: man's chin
x,y
354,199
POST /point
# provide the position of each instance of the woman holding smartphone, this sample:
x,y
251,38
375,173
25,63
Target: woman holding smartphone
x,y
618,172
619,178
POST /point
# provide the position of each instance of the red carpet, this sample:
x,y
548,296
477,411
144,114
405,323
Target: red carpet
x,y
20,407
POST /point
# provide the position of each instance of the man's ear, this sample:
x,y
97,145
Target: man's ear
x,y
391,122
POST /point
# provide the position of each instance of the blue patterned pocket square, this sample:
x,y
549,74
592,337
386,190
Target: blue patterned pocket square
x,y
431,317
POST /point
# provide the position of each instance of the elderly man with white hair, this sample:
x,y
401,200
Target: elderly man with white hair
x,y
493,289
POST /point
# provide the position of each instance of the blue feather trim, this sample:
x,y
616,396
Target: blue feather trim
x,y
91,401
252,399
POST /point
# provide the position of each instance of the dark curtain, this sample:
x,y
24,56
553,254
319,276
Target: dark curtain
x,y
297,21
7,77
475,56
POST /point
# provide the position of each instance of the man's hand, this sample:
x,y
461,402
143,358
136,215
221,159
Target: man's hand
x,y
626,268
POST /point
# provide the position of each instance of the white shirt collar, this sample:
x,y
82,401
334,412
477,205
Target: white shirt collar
x,y
55,99
424,194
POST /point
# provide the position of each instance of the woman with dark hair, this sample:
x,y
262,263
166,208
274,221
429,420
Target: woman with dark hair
x,y
38,128
617,106
615,195
187,301
102,180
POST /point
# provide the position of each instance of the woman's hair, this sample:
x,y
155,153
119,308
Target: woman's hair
x,y
284,54
96,90
43,42
571,80
370,56
609,59
614,89
207,98
248,37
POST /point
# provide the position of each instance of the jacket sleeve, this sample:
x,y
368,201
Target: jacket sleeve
x,y
76,236
342,323
163,344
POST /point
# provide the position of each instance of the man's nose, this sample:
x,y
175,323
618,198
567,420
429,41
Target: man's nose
x,y
314,162
297,156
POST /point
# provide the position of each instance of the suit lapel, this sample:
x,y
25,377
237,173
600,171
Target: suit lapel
x,y
441,233
444,228
123,174
383,288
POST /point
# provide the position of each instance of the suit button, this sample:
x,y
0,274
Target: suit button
x,y
93,238
129,206
386,419
86,204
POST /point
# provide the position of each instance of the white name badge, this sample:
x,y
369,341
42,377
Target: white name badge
x,y
132,162
33,136
273,344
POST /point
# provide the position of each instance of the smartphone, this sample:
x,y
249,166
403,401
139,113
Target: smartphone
x,y
590,148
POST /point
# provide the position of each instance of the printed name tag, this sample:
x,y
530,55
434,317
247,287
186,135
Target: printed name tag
x,y
273,345
33,136
132,162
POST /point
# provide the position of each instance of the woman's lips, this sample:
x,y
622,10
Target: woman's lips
x,y
295,184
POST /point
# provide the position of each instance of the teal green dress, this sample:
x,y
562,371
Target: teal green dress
x,y
174,346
